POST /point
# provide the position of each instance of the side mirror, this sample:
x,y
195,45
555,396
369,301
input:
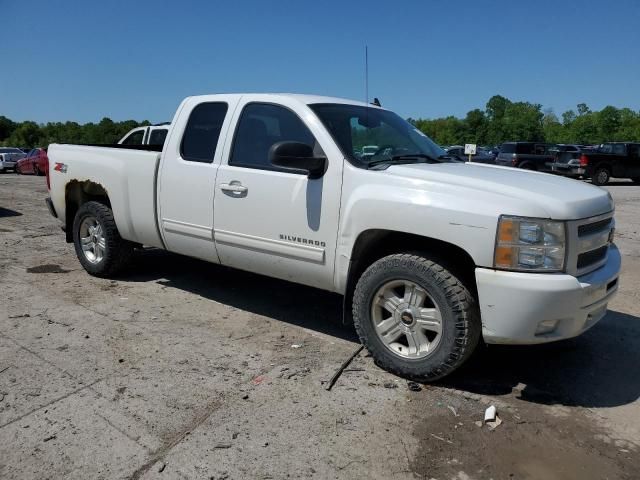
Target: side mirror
x,y
297,157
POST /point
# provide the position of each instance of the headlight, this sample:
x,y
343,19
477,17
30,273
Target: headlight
x,y
530,244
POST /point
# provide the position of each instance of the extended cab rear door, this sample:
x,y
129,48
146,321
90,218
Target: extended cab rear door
x,y
271,221
189,162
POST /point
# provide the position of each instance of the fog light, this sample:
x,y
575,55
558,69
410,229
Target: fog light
x,y
546,326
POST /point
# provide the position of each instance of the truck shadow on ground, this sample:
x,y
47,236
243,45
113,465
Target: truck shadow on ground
x,y
597,369
6,212
277,299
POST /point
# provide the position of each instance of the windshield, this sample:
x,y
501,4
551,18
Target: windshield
x,y
368,135
10,150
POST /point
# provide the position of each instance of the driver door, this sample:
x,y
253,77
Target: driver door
x,y
272,221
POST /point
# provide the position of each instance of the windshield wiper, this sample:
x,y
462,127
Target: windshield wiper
x,y
407,158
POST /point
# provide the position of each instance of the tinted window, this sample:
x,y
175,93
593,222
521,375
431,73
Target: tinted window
x,y
508,148
202,132
135,138
524,148
262,125
158,136
618,149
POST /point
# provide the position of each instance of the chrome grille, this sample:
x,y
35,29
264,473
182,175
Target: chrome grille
x,y
593,227
591,257
589,243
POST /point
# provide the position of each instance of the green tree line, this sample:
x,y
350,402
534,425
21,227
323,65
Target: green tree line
x,y
503,120
31,134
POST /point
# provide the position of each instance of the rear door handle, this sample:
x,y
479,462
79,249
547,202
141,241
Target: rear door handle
x,y
235,188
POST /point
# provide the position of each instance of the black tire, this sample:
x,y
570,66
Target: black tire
x,y
600,176
635,180
36,171
461,326
528,166
117,251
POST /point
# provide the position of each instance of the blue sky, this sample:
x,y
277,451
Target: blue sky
x,y
84,60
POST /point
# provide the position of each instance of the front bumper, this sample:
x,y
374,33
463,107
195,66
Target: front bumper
x,y
528,308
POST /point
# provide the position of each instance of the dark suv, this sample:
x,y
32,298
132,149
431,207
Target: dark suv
x,y
527,155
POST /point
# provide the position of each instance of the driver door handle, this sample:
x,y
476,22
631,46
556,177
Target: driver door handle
x,y
236,188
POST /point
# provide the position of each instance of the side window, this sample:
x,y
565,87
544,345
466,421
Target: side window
x,y
202,132
135,138
524,148
260,126
618,149
158,136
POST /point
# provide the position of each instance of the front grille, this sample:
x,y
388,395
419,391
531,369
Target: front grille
x,y
593,227
594,256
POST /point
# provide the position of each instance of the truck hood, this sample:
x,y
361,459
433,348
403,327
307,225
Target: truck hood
x,y
562,198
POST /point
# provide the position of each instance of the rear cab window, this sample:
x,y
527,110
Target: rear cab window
x,y
202,132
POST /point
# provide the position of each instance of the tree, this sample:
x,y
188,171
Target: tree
x,y
522,121
6,127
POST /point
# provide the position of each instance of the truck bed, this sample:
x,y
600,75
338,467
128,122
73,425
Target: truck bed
x,y
127,175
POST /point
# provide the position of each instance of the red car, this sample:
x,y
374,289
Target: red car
x,y
35,163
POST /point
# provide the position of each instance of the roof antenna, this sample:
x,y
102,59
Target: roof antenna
x,y
375,102
366,74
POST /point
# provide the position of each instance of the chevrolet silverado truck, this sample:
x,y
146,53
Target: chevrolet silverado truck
x,y
431,256
615,159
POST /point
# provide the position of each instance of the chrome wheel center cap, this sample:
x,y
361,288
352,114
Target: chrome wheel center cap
x,y
407,318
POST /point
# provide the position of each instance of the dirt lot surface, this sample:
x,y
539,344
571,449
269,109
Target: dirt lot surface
x,y
182,369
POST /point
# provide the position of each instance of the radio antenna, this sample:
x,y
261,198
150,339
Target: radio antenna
x,y
366,74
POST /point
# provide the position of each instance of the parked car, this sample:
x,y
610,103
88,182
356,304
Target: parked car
x,y
151,135
429,254
35,163
481,156
527,155
614,159
9,156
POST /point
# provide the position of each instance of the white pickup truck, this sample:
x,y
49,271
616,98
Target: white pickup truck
x,y
431,255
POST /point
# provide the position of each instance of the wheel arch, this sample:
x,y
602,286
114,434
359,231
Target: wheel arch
x,y
374,244
78,193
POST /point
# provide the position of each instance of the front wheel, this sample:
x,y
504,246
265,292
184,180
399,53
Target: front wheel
x,y
600,176
416,318
99,247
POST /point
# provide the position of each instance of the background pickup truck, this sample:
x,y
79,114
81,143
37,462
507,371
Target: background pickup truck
x,y
430,256
616,159
151,135
526,155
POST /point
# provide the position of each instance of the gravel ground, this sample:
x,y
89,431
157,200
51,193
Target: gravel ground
x,y
182,369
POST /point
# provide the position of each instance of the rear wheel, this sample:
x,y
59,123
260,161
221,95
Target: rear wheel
x,y
601,176
99,247
416,318
635,179
528,166
36,170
